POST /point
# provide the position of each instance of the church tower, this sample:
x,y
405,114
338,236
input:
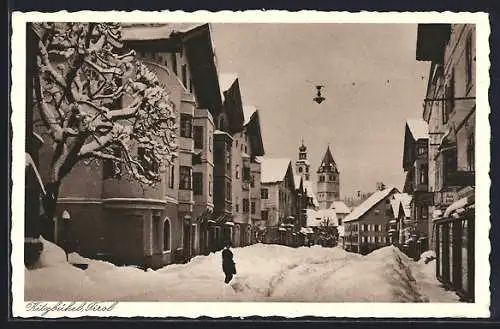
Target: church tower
x,y
328,184
302,164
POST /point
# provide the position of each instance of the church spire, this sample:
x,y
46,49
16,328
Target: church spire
x,y
328,164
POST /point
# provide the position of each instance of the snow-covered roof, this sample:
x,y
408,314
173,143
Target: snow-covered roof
x,y
316,218
220,132
136,31
461,203
273,169
310,193
404,199
340,207
395,207
418,128
248,111
226,80
368,204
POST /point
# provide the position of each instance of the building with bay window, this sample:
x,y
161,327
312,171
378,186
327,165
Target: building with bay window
x,y
151,226
449,110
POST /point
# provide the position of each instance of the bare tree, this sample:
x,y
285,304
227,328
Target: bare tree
x,y
98,102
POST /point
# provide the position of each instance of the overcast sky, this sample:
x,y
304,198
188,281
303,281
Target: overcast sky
x,y
373,83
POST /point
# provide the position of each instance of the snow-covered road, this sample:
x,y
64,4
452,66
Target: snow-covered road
x,y
265,273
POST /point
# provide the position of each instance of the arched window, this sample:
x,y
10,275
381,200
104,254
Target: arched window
x,y
237,172
166,235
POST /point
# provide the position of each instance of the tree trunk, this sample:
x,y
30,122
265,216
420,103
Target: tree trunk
x,y
50,205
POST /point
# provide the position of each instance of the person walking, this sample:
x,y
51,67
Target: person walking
x,y
228,265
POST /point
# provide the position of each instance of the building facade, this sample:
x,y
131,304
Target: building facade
x,y
416,166
169,222
328,181
450,113
367,227
278,200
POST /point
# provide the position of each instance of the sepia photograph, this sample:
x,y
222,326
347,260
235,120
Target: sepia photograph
x,y
264,162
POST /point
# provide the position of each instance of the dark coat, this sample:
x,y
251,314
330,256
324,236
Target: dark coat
x,y
228,265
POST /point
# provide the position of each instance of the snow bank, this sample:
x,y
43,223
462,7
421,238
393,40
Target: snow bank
x,y
51,255
264,272
427,256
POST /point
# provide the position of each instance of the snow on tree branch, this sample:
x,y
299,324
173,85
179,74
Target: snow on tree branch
x,y
95,98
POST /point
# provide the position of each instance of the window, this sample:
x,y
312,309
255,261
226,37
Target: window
x,y
237,204
423,174
157,227
424,212
422,150
186,125
332,178
112,169
247,174
184,75
264,214
449,104
246,206
198,137
237,172
252,181
221,125
468,62
210,141
236,145
253,207
302,156
210,184
264,193
196,158
172,177
166,235
363,239
300,169
321,178
470,153
185,178
147,160
198,183
246,149
174,62
307,169
228,191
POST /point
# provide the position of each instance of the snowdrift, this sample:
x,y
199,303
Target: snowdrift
x,y
265,273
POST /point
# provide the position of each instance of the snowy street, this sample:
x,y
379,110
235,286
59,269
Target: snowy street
x,y
264,273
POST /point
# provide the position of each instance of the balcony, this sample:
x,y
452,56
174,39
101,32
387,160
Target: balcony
x,y
460,178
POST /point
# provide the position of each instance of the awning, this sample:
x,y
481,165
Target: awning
x,y
282,229
229,223
455,206
393,221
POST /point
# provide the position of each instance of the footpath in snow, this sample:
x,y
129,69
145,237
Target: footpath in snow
x,y
265,273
